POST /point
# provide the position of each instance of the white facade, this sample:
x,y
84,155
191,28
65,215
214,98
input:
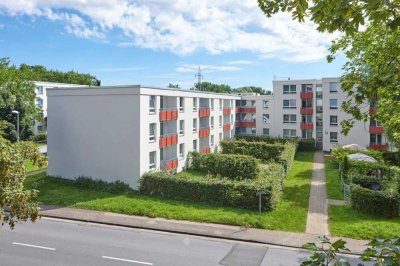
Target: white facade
x,y
41,100
120,133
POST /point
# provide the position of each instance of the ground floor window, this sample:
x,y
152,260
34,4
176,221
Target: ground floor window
x,y
375,138
289,133
266,131
152,160
333,137
306,134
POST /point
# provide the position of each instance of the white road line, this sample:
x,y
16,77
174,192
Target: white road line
x,y
133,261
32,246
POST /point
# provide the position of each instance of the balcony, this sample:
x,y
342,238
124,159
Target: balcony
x,y
372,111
306,111
168,140
251,123
170,165
206,150
227,127
204,112
204,132
166,115
306,125
380,147
247,110
227,111
376,129
237,109
306,95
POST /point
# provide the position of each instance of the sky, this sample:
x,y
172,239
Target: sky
x,y
157,42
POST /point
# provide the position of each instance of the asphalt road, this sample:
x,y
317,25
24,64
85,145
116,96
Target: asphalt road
x,y
60,242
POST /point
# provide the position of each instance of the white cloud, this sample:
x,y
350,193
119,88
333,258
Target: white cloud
x,y
241,62
206,68
183,26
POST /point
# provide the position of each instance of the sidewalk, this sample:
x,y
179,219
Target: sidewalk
x,y
239,233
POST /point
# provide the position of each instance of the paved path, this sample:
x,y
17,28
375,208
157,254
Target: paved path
x,y
317,218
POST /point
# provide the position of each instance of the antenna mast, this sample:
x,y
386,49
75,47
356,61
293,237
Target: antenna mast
x,y
199,77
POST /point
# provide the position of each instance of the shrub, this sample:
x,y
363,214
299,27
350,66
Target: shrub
x,y
100,185
391,157
215,190
40,137
385,203
306,145
266,139
227,165
367,181
339,153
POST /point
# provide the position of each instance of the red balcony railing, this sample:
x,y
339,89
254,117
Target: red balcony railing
x,y
204,112
237,109
306,95
170,165
206,150
227,111
168,140
166,115
204,132
247,110
378,146
372,110
246,124
306,111
376,130
227,127
306,125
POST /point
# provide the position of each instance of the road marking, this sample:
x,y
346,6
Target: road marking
x,y
133,261
32,246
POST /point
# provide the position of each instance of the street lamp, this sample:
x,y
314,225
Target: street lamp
x,y
16,112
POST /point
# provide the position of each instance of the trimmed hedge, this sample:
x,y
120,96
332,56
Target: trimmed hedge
x,y
255,138
385,203
339,153
391,157
231,166
306,145
216,190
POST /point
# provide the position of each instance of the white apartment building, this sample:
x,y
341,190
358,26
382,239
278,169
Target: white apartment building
x,y
41,101
305,109
121,132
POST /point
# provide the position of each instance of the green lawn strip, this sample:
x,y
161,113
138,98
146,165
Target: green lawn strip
x,y
31,168
346,222
333,184
290,215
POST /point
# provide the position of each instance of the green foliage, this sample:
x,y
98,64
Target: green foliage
x,y
217,190
385,203
325,254
306,145
339,154
227,165
383,251
266,139
100,185
40,137
210,87
251,89
13,195
391,157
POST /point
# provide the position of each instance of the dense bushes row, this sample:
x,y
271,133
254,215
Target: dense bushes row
x,y
267,139
216,190
227,165
391,157
40,137
306,145
339,154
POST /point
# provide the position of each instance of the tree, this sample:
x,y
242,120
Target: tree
x,y
16,202
252,89
173,86
210,87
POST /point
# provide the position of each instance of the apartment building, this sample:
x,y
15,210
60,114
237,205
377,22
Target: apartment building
x,y
306,109
41,101
121,132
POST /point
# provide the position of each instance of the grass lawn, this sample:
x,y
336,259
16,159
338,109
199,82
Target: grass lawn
x,y
333,185
31,168
290,215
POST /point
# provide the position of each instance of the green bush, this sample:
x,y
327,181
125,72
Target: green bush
x,y
40,137
339,153
267,139
366,181
100,185
391,157
227,165
384,203
306,145
216,190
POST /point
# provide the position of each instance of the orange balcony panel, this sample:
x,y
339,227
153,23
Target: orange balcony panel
x,y
306,95
227,111
306,111
372,111
376,130
206,150
204,132
306,125
248,110
174,139
379,146
227,127
163,115
168,115
204,112
168,140
237,110
246,124
163,142
174,115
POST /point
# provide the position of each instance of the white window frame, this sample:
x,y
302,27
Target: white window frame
x,y
333,107
333,89
39,90
331,140
181,104
212,104
194,144
290,102
152,165
181,127
152,109
194,104
330,120
212,142
266,104
290,131
220,121
220,104
152,137
181,151
290,89
290,120
264,132
266,119
212,122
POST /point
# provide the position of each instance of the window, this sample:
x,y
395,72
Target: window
x,y
253,130
220,136
39,102
161,102
194,125
40,128
152,160
306,119
212,104
266,104
333,87
266,131
375,139
194,104
289,133
307,104
195,144
266,118
212,141
39,90
181,151
220,104
289,89
333,121
289,104
220,121
373,122
333,137
181,127
231,119
161,128
306,87
306,134
231,104
289,119
333,104
161,154
253,103
212,122
152,104
181,103
152,132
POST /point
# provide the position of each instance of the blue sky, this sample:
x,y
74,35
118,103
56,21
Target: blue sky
x,y
157,42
